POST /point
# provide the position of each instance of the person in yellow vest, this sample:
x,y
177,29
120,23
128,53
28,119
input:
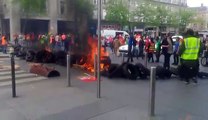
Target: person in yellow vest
x,y
189,51
4,44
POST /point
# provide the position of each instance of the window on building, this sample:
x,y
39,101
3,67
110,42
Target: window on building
x,y
95,2
62,7
104,2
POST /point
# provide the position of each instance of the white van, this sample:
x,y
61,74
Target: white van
x,y
113,33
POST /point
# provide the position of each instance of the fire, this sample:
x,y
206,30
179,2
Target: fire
x,y
89,64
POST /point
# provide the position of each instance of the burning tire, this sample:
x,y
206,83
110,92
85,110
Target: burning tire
x,y
174,70
162,73
105,60
110,71
61,58
115,71
21,53
129,71
203,75
30,56
142,71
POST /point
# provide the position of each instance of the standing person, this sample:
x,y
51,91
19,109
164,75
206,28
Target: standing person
x,y
63,41
4,44
175,53
151,50
141,48
147,42
158,49
116,45
189,51
130,48
52,41
167,50
16,39
110,39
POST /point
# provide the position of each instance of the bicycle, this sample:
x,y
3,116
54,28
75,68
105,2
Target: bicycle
x,y
204,59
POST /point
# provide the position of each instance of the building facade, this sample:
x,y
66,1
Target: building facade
x,y
173,5
55,19
202,16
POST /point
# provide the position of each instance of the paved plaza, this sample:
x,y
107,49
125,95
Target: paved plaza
x,y
122,99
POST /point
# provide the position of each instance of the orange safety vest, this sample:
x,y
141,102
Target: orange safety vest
x,y
4,42
152,47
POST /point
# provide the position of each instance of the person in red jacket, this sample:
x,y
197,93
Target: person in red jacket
x,y
147,42
151,50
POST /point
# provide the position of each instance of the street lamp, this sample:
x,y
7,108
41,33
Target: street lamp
x,y
99,51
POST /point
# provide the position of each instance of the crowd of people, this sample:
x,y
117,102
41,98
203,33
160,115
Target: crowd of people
x,y
41,41
185,51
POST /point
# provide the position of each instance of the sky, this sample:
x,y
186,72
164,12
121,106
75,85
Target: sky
x,y
197,3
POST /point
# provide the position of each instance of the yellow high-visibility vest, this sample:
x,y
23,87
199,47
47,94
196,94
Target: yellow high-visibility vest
x,y
192,46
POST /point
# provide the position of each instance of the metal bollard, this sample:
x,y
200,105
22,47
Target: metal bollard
x,y
69,70
95,65
122,57
146,57
13,76
152,92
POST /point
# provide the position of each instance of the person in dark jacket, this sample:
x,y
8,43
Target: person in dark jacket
x,y
130,48
167,50
141,48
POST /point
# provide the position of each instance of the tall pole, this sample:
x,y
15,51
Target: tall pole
x,y
13,76
152,92
99,51
69,69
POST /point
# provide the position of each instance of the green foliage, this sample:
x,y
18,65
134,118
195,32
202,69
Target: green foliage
x,y
32,6
117,12
158,15
84,7
185,17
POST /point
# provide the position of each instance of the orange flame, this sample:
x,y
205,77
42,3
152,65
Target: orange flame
x,y
89,65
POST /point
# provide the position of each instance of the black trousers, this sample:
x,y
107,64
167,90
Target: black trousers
x,y
176,58
130,55
157,54
150,57
166,64
188,69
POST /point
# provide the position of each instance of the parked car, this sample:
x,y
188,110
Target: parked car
x,y
175,37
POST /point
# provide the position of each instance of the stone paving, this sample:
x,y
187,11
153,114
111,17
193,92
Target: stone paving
x,y
122,99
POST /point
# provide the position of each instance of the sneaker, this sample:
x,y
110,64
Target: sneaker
x,y
195,81
187,82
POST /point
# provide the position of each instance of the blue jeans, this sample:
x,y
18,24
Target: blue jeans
x,y
4,48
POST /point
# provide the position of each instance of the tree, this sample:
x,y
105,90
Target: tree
x,y
117,12
82,13
185,17
31,6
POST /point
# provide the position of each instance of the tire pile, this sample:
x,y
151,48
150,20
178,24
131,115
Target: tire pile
x,y
135,71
